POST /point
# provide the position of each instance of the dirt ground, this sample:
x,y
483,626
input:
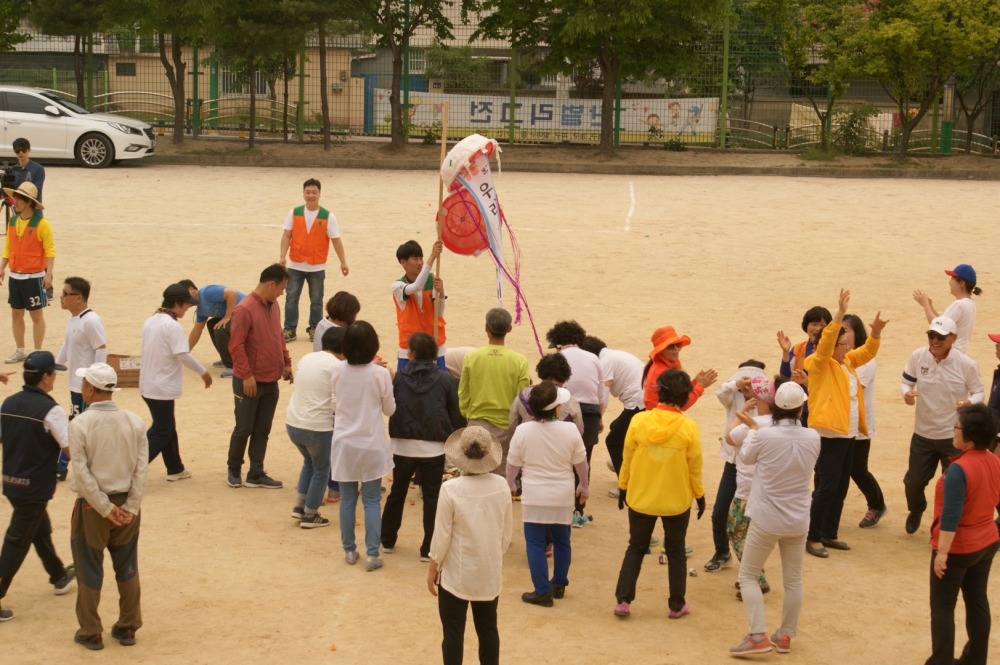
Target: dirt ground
x,y
228,578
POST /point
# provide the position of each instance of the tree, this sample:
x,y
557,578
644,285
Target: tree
x,y
639,39
976,85
754,55
10,23
78,19
455,65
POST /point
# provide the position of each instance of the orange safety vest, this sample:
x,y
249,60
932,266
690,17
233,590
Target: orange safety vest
x,y
414,319
27,254
310,246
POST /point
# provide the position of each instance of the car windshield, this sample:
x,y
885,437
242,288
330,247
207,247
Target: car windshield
x,y
62,102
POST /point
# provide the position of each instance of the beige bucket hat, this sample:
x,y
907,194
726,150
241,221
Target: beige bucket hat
x,y
28,191
457,445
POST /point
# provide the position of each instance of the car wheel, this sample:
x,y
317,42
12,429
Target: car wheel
x,y
95,151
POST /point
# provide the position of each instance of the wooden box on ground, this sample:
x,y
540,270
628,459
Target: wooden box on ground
x,y
127,368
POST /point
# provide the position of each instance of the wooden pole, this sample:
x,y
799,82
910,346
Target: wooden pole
x,y
440,214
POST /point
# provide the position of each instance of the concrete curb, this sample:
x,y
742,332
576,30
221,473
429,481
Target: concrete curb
x,y
410,164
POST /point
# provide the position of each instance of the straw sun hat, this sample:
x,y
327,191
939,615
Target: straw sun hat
x,y
462,439
28,191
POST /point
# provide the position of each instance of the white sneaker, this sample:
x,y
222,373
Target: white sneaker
x,y
611,466
18,357
171,477
614,493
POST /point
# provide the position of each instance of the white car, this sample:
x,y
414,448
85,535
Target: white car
x,y
59,129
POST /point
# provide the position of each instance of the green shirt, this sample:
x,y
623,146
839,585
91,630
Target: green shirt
x,y
492,377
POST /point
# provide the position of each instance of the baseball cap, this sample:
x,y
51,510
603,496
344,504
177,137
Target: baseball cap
x,y
100,375
562,396
789,396
964,271
42,361
178,293
942,325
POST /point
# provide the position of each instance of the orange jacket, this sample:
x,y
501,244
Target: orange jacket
x,y
651,396
310,246
413,319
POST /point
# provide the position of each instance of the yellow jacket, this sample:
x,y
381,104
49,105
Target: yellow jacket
x,y
830,389
661,465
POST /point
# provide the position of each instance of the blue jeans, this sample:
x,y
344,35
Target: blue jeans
x,y
315,449
720,512
294,290
371,495
79,406
534,547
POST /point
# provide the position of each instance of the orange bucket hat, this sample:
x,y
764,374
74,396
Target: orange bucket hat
x,y
664,337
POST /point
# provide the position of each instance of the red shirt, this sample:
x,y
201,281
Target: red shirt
x,y
256,342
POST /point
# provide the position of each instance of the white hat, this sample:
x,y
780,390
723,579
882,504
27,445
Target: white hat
x,y
789,396
942,325
100,375
562,396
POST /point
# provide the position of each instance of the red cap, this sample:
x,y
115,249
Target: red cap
x,y
995,338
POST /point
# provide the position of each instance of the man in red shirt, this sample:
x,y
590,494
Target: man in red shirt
x,y
259,359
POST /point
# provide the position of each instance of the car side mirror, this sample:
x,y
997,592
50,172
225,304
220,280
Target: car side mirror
x,y
52,110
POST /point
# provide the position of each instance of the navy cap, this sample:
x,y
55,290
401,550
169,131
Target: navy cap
x,y
178,293
965,272
42,361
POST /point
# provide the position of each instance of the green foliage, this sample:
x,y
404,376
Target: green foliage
x,y
456,66
851,134
10,22
675,145
433,133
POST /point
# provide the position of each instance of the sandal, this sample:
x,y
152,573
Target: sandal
x,y
837,545
817,551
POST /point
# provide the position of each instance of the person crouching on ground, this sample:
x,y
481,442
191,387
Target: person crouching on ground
x,y
660,477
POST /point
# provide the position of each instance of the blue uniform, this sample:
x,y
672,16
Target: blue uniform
x,y
212,303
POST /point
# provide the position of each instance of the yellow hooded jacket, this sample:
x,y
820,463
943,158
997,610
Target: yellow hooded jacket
x,y
829,387
661,465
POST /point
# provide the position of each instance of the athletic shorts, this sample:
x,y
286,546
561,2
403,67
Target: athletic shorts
x,y
26,293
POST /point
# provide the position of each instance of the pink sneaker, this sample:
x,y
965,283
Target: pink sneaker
x,y
681,612
621,610
782,643
750,645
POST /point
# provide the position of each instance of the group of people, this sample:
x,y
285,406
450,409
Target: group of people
x,y
792,443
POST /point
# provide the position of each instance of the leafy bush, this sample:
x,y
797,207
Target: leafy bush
x,y
674,145
851,134
433,133
456,66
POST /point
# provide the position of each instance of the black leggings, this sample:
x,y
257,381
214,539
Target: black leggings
x,y
453,611
863,478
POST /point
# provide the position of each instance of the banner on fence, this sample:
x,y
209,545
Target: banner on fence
x,y
546,118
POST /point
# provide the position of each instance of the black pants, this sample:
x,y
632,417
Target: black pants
x,y
162,434
863,478
431,469
29,525
591,433
453,611
253,423
640,527
832,479
720,511
971,574
615,440
925,455
220,339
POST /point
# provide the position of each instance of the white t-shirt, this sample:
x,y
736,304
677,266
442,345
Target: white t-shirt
x,y
416,447
866,374
963,312
161,375
84,335
744,471
624,371
312,404
546,452
332,231
586,383
360,449
939,386
321,327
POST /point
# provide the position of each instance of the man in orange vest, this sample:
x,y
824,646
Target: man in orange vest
x,y
414,295
309,231
30,252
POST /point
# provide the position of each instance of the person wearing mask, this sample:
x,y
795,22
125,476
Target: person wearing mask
x,y
660,478
472,530
33,429
784,454
28,170
260,359
341,311
938,380
426,414
215,310
964,539
165,354
962,286
110,460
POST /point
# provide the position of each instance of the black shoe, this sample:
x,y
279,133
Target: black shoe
x,y
263,480
913,522
125,636
534,599
718,562
558,591
311,332
872,517
94,642
5,615
62,586
313,521
235,478
61,475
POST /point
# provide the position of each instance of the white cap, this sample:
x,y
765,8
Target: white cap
x,y
789,396
562,396
942,325
100,375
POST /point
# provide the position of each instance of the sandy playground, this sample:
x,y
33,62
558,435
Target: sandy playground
x,y
228,578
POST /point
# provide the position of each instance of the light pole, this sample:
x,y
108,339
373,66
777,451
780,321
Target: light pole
x,y
947,118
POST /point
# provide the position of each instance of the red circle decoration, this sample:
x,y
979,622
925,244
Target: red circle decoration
x,y
462,231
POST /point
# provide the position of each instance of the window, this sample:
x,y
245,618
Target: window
x,y
232,86
417,61
125,69
21,103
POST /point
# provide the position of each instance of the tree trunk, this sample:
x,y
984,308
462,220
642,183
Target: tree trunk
x,y
323,94
81,94
609,72
284,108
272,95
904,141
253,98
970,121
175,77
395,101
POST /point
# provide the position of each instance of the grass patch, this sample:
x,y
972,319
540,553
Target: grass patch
x,y
817,155
225,152
889,165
